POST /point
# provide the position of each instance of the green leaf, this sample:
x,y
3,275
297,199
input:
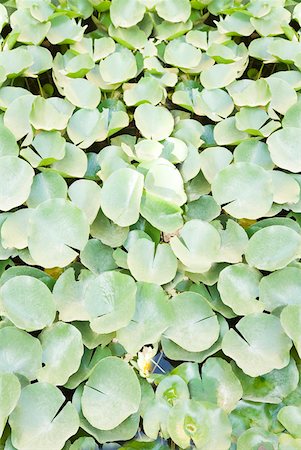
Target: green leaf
x,y
172,389
227,133
107,231
50,114
151,264
283,145
82,93
202,422
42,60
31,30
3,16
27,302
20,353
181,54
125,431
164,180
272,387
10,390
257,437
177,353
119,66
219,75
280,288
8,143
174,10
197,246
154,122
74,164
83,443
110,301
14,190
290,418
273,247
213,160
16,116
114,387
15,61
259,345
132,38
290,318
251,120
161,213
152,316
46,186
126,13
147,90
40,417
195,326
219,385
14,231
68,295
238,286
121,196
16,271
57,227
155,419
86,195
97,257
89,361
253,151
234,241
62,352
50,146
238,185
64,30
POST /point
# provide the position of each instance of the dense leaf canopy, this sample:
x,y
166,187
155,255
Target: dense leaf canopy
x,y
150,224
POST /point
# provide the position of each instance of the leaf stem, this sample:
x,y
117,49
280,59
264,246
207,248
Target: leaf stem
x,y
40,87
260,71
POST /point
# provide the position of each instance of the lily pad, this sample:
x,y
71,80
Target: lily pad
x,y
27,302
114,387
258,344
41,416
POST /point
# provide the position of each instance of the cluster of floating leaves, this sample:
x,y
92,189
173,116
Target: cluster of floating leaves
x,y
150,227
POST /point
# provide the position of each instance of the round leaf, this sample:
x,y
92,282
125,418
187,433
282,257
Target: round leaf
x,y
20,353
273,248
14,190
110,301
126,13
151,264
244,190
290,320
154,122
202,422
152,316
195,326
272,387
238,286
10,390
27,302
62,352
57,227
283,147
197,246
220,385
280,288
174,10
121,196
112,387
258,345
40,417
